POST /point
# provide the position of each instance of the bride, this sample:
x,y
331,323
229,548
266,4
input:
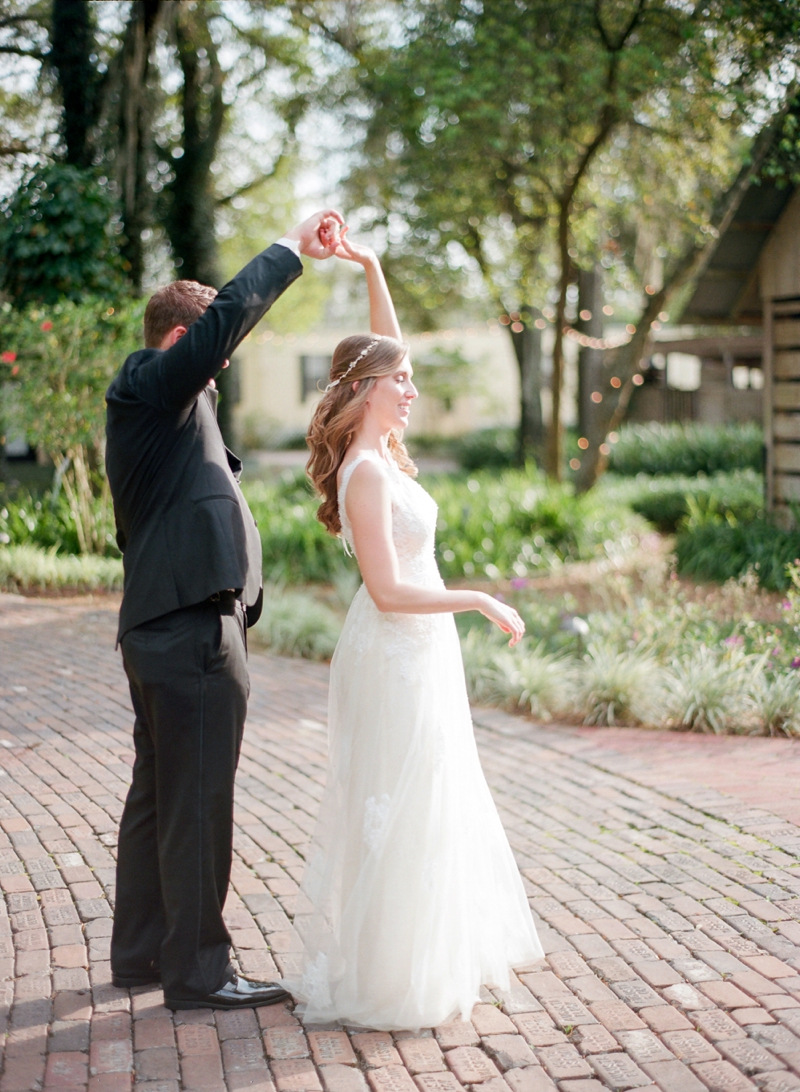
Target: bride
x,y
411,897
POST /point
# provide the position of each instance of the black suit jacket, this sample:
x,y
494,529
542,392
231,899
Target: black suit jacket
x,y
183,525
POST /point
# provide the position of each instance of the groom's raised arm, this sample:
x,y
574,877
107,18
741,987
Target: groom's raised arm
x,y
172,378
177,375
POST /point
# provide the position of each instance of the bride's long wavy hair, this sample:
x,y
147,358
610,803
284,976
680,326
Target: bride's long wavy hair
x,y
340,412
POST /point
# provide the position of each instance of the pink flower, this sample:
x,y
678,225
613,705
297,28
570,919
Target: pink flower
x,y
8,357
15,370
733,641
519,582
786,605
795,662
47,325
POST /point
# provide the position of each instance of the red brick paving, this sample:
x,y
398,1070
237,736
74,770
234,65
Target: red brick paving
x,y
664,871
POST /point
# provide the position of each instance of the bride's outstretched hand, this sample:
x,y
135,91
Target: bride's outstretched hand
x,y
353,252
503,616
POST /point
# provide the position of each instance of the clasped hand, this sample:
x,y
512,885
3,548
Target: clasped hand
x,y
324,235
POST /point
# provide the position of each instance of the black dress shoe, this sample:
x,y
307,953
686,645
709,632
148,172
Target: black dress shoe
x,y
239,993
128,982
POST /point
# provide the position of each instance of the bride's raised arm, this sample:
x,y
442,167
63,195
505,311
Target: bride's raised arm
x,y
382,316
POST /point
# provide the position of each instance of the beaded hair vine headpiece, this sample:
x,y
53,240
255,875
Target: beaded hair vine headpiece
x,y
358,359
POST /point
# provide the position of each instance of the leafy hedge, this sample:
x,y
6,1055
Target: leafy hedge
x,y
28,520
668,500
495,525
718,550
516,522
487,449
686,449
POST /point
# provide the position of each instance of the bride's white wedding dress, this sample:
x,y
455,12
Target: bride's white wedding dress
x,y
411,897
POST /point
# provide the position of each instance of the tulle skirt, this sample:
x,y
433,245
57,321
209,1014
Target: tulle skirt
x,y
411,897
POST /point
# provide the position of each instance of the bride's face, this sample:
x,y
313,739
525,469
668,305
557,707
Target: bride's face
x,y
389,401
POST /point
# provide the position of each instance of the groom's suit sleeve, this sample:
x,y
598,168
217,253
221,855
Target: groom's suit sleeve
x,y
171,379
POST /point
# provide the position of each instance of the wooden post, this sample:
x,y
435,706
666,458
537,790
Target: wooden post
x,y
766,365
782,354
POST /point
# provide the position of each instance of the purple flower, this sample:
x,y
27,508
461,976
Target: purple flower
x,y
795,662
776,650
519,582
786,605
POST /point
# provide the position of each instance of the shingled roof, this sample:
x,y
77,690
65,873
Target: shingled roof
x,y
727,292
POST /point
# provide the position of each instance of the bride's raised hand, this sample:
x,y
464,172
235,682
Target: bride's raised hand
x,y
503,616
353,252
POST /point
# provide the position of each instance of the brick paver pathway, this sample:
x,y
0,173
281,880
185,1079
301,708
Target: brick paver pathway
x,y
669,911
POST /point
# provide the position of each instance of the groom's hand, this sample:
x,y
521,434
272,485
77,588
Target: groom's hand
x,y
307,234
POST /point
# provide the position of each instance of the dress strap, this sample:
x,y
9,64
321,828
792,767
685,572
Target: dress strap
x,y
347,534
364,456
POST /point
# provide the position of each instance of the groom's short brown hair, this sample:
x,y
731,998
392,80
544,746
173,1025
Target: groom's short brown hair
x,y
178,304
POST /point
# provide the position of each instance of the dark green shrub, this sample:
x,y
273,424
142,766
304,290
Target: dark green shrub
x,y
686,449
28,520
665,501
718,550
515,523
57,238
488,449
297,548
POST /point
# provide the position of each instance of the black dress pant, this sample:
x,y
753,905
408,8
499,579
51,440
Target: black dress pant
x,y
188,677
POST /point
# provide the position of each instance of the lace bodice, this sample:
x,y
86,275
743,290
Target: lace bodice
x,y
414,515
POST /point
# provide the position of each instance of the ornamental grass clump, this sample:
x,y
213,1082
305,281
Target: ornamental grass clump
x,y
534,681
479,651
776,703
707,690
296,624
617,686
24,568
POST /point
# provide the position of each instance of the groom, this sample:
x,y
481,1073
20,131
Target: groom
x,y
192,558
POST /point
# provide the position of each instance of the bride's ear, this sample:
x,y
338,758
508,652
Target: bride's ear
x,y
356,385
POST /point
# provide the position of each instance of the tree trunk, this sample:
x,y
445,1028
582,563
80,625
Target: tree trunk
x,y
190,220
554,436
134,145
191,214
590,361
72,48
528,351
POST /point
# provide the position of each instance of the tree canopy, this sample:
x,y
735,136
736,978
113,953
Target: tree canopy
x,y
517,139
